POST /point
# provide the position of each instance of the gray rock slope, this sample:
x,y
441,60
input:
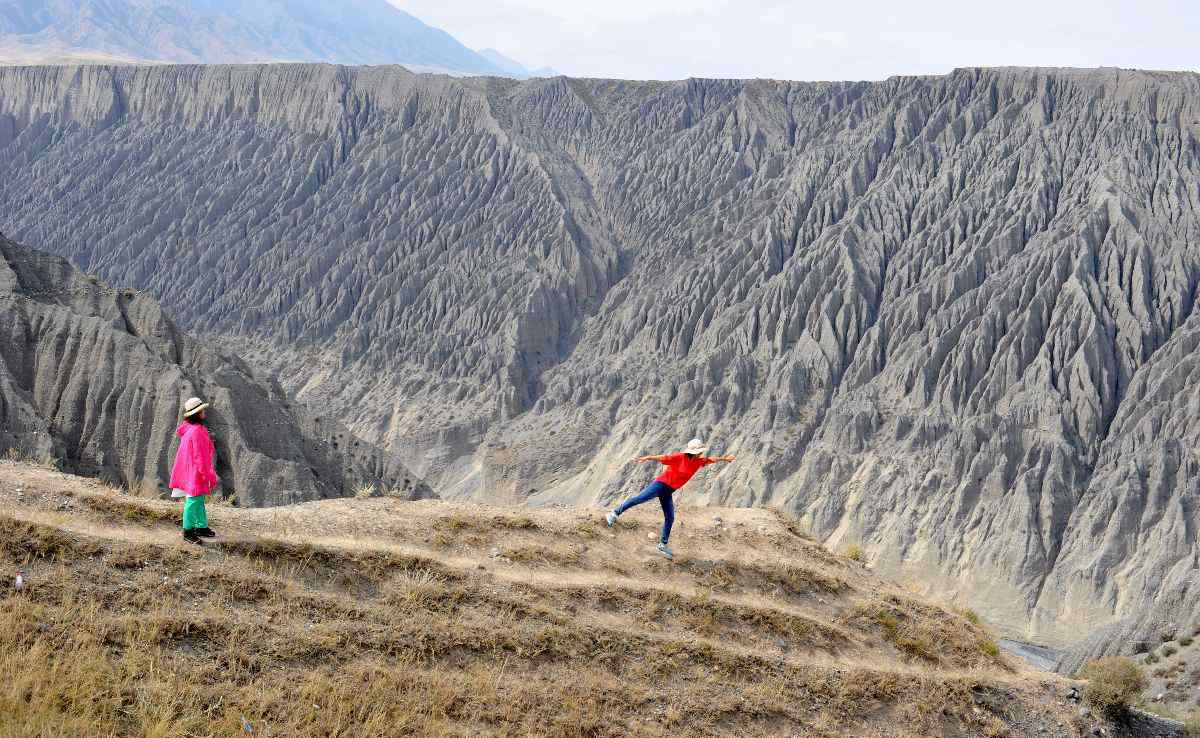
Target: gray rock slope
x,y
95,377
225,31
948,318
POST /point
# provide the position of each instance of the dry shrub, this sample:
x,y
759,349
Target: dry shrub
x,y
1113,684
587,530
517,522
421,588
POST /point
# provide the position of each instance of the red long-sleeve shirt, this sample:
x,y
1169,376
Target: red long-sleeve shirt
x,y
681,468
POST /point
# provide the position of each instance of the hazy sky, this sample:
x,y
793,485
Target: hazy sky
x,y
835,39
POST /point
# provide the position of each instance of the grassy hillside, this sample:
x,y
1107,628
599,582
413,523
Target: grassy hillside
x,y
375,617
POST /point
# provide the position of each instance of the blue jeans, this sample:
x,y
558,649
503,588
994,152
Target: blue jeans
x,y
663,492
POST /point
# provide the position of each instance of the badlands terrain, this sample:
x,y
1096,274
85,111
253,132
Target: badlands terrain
x,y
94,377
947,319
381,617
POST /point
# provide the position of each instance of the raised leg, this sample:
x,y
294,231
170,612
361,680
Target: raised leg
x,y
644,496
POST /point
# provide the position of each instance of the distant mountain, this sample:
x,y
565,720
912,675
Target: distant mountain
x,y
514,68
226,31
510,66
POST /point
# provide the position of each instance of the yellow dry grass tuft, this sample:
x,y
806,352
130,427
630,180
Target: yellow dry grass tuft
x,y
560,556
115,508
43,461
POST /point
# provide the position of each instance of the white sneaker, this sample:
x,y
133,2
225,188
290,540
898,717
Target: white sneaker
x,y
611,518
662,549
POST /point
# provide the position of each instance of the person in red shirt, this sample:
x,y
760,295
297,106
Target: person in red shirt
x,y
680,468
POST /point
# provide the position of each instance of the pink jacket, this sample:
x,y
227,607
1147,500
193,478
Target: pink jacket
x,y
194,471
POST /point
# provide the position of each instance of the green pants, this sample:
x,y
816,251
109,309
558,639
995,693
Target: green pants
x,y
194,514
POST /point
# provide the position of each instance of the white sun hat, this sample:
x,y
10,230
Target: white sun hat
x,y
695,446
193,406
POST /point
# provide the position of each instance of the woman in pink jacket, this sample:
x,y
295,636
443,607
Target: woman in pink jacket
x,y
194,475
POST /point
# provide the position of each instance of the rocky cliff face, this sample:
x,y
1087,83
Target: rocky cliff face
x,y
950,319
96,378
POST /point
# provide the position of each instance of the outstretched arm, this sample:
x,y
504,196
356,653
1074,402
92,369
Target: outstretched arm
x,y
715,459
644,459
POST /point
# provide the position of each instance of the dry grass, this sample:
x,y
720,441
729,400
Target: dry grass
x,y
24,542
299,559
561,556
42,461
113,509
461,523
928,634
704,613
971,616
398,493
588,531
795,579
113,638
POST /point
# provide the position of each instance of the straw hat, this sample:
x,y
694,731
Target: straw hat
x,y
193,406
695,446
